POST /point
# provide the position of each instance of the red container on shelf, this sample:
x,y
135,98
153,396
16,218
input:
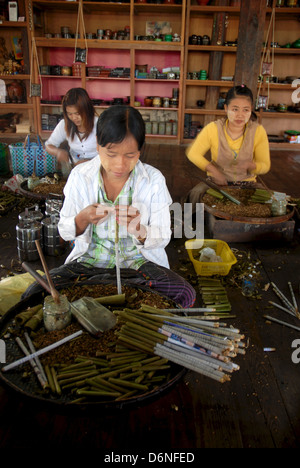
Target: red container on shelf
x,y
76,68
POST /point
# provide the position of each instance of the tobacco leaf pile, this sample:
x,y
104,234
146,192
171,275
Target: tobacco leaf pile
x,y
247,207
86,344
45,189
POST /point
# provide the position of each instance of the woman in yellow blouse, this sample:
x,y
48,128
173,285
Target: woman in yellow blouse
x,y
238,145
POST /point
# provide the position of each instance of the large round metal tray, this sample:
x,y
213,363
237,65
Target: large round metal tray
x,y
30,388
248,220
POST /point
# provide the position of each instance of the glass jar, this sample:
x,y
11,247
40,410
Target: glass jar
x,y
156,102
278,207
168,128
166,102
154,128
56,316
162,128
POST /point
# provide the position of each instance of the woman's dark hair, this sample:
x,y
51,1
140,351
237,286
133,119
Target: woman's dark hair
x,y
241,91
116,122
79,98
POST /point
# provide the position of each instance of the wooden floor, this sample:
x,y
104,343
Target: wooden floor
x,y
259,408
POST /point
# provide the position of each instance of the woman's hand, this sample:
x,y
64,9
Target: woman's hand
x,y
92,214
130,217
62,155
217,176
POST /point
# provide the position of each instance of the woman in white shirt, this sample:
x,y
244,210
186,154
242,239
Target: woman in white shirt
x,y
116,192
78,128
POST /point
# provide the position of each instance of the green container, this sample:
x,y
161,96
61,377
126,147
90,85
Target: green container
x,y
4,167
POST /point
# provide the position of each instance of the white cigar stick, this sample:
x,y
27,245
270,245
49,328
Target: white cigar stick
x,y
41,351
272,319
33,350
119,286
293,296
33,363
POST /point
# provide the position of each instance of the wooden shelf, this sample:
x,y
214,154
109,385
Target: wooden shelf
x,y
16,106
55,5
212,48
15,77
285,146
13,24
220,83
107,44
214,9
280,115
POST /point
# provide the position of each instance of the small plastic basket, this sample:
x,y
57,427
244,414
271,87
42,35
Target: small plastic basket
x,y
222,249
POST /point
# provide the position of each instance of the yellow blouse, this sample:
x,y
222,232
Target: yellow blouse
x,y
208,140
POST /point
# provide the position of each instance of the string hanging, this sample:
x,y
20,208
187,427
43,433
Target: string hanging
x,y
267,63
34,54
80,16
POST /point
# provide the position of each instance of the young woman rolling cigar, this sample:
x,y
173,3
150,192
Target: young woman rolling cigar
x,y
238,145
117,191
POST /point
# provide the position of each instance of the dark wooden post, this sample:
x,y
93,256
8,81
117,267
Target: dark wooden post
x,y
215,59
250,43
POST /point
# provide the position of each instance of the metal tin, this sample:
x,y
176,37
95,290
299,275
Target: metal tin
x,y
154,128
156,101
29,215
54,245
44,70
166,102
27,233
53,206
168,128
66,71
162,128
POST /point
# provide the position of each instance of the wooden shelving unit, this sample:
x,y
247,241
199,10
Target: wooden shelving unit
x,y
23,111
43,16
51,16
199,20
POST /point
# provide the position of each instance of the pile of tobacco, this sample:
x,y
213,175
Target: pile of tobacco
x,y
88,368
249,206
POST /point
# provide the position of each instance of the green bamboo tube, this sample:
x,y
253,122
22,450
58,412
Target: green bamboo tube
x,y
35,320
49,378
126,395
56,384
97,393
114,372
143,336
154,310
76,378
114,299
93,360
24,316
135,344
69,375
105,384
131,375
140,378
127,383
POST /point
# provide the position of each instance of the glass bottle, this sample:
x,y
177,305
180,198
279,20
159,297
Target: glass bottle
x,y
56,316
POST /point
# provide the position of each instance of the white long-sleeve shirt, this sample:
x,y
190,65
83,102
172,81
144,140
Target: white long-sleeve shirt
x,y
150,196
85,149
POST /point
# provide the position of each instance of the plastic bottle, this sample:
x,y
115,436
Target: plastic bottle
x,y
248,286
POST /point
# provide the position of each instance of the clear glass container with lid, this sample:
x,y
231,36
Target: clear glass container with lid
x,y
56,316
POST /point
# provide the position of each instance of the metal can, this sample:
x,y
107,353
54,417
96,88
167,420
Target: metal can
x,y
156,101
